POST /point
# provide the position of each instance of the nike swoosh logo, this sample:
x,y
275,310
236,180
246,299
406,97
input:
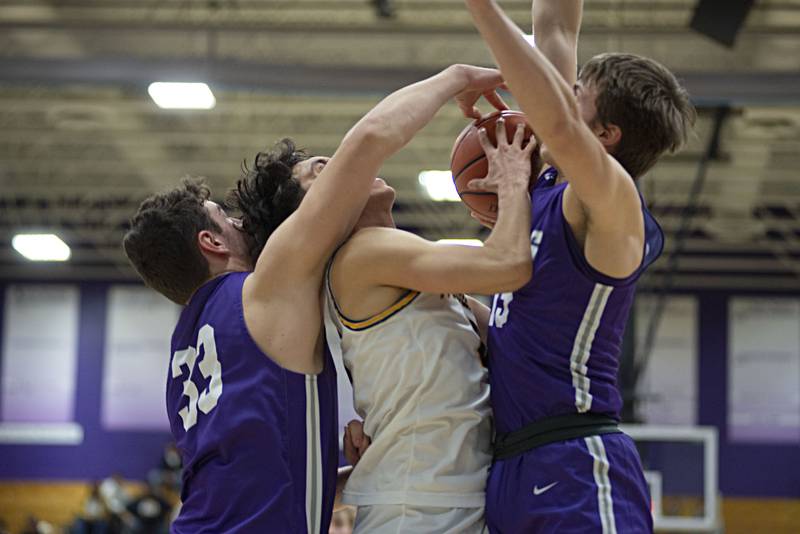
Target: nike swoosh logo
x,y
538,491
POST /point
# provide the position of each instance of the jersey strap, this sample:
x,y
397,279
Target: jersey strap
x,y
547,178
404,300
401,303
552,429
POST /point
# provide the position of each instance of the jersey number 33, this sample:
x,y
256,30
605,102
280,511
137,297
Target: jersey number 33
x,y
210,368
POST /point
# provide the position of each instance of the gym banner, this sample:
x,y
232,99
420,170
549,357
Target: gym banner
x,y
139,324
764,370
668,388
40,347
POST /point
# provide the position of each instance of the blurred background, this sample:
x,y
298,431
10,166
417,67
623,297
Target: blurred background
x,y
711,366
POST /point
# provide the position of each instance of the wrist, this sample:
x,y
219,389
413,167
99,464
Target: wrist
x,y
457,74
512,186
476,5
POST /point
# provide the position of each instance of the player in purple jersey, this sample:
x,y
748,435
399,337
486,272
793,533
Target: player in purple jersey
x,y
251,392
561,464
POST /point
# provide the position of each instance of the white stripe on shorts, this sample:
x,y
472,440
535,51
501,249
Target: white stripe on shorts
x,y
604,501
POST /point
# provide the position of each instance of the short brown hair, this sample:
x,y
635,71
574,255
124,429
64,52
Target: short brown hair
x,y
162,241
644,99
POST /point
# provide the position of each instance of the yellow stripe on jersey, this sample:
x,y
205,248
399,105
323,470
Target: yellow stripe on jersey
x,y
404,301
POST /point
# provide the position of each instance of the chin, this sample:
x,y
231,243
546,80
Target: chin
x,y
544,153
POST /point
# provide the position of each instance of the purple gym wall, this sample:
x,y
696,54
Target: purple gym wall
x,y
102,452
761,470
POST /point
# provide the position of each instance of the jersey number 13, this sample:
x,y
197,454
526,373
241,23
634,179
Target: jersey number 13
x,y
500,305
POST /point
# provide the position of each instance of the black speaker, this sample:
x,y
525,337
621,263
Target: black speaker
x,y
384,8
721,20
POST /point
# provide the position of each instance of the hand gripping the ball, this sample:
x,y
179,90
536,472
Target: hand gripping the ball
x,y
479,82
509,163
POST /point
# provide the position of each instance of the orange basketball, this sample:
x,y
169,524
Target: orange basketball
x,y
468,161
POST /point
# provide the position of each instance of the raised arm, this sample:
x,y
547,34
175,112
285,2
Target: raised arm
x,y
556,25
390,257
602,186
481,312
330,209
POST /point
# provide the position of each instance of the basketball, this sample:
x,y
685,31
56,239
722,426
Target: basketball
x,y
468,162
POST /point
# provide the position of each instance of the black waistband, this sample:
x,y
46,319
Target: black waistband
x,y
552,429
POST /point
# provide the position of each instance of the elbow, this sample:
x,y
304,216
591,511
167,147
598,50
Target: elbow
x,y
516,274
377,134
522,271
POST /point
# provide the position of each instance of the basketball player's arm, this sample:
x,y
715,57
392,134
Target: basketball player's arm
x,y
556,25
342,475
391,257
605,191
330,209
481,312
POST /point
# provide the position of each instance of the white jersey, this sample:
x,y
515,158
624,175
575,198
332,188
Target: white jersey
x,y
424,396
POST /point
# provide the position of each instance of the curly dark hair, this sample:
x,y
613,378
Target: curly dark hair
x,y
267,194
161,243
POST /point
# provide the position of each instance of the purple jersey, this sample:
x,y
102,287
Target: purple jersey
x,y
259,442
554,343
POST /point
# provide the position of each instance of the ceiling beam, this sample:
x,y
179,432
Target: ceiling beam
x,y
754,88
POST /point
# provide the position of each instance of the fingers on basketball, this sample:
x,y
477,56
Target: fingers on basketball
x,y
486,144
500,132
519,135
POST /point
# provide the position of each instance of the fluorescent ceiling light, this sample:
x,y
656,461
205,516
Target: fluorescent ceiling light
x,y
439,185
468,242
41,247
173,95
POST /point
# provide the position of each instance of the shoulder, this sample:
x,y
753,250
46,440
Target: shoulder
x,y
370,243
617,208
374,234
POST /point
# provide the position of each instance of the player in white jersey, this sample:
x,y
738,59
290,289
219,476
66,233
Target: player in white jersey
x,y
411,345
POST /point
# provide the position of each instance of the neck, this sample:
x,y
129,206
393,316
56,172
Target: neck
x,y
371,219
232,265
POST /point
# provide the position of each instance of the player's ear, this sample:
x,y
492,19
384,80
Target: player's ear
x,y
609,134
318,165
209,242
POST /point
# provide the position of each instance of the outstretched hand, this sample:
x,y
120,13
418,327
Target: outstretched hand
x,y
355,441
509,163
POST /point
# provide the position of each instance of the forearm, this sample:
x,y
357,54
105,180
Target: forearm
x,y
331,208
504,262
540,90
341,479
556,26
398,117
509,241
549,15
481,313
